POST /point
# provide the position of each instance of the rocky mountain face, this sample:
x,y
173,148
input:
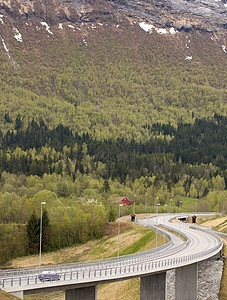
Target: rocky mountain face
x,y
210,15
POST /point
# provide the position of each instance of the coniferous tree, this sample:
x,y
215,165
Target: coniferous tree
x,y
45,231
33,228
18,123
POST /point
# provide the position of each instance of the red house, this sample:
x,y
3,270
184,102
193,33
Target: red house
x,y
125,202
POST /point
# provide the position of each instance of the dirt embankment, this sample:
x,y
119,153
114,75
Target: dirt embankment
x,y
6,296
216,222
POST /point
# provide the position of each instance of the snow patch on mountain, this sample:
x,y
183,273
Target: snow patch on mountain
x,y
161,30
146,27
18,35
1,21
5,47
149,28
84,41
172,30
47,27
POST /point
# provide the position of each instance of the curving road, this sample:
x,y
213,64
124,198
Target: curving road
x,y
199,241
197,245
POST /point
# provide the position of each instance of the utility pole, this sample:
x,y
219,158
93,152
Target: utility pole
x,y
40,241
134,204
164,223
145,204
157,224
118,244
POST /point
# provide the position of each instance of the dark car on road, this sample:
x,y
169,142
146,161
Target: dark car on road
x,y
49,276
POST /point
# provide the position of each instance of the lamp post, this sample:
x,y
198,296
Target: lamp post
x,y
40,241
145,204
170,206
164,223
155,202
134,204
157,205
196,204
119,230
164,212
179,220
180,205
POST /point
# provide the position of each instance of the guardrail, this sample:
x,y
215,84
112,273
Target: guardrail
x,y
102,263
126,270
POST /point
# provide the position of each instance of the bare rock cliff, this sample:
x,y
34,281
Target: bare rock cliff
x,y
208,15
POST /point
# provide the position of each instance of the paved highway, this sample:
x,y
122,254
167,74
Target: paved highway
x,y
198,240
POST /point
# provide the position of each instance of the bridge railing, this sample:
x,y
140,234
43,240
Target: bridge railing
x,y
95,264
102,263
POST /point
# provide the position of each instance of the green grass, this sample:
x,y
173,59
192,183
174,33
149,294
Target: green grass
x,y
138,245
220,225
188,204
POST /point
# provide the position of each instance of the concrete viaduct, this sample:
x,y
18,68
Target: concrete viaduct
x,y
80,280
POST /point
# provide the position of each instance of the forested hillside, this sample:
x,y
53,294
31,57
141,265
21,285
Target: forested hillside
x,y
113,81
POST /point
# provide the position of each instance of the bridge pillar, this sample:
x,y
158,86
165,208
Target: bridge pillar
x,y
153,287
18,294
86,293
186,286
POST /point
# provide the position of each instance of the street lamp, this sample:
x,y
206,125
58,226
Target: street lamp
x,y
134,204
196,204
164,223
180,205
179,219
119,230
155,202
164,212
40,241
170,206
157,205
145,204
